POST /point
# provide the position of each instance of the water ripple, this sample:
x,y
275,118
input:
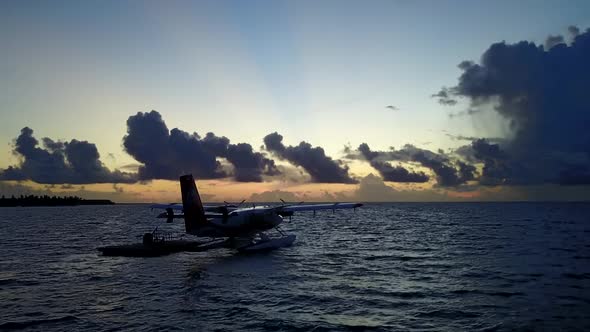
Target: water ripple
x,y
410,267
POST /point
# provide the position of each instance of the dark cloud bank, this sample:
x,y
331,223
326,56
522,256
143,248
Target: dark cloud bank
x,y
448,172
320,167
542,90
166,154
388,172
60,162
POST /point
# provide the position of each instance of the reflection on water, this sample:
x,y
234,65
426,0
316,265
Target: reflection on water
x,y
386,267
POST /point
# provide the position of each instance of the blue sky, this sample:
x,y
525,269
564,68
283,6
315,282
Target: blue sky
x,y
322,72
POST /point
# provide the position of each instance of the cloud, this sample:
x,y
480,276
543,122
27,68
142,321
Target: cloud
x,y
542,92
371,188
447,172
274,196
470,111
388,172
118,189
289,173
320,167
398,173
60,162
133,167
444,97
167,154
51,145
501,167
575,175
573,30
249,165
466,172
473,138
8,189
552,41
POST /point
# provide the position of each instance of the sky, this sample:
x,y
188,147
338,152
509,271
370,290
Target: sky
x,y
449,104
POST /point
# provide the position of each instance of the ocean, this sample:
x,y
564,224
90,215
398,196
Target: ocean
x,y
385,267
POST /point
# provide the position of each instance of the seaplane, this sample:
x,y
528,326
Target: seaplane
x,y
225,226
243,228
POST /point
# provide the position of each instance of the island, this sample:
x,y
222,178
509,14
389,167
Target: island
x,y
46,200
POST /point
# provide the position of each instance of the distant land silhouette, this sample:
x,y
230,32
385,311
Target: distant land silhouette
x,y
45,200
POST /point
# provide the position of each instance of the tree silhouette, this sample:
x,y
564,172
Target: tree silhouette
x,y
46,200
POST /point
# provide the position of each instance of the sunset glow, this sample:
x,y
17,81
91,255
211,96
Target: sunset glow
x,y
390,75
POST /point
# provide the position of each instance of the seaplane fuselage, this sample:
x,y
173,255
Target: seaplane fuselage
x,y
242,222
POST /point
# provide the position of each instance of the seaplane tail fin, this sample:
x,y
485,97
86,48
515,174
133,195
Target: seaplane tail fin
x,y
194,213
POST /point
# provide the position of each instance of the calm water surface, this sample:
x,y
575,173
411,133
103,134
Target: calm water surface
x,y
487,267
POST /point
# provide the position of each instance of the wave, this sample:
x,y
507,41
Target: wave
x,y
35,322
447,313
484,292
578,276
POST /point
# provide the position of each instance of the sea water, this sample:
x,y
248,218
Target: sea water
x,y
385,267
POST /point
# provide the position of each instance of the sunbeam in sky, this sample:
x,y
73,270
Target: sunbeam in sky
x,y
328,101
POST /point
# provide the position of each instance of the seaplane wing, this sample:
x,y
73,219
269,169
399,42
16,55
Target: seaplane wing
x,y
315,207
288,210
172,206
207,208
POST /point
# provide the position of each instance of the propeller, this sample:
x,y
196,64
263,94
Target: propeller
x,y
225,209
285,203
289,213
227,204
